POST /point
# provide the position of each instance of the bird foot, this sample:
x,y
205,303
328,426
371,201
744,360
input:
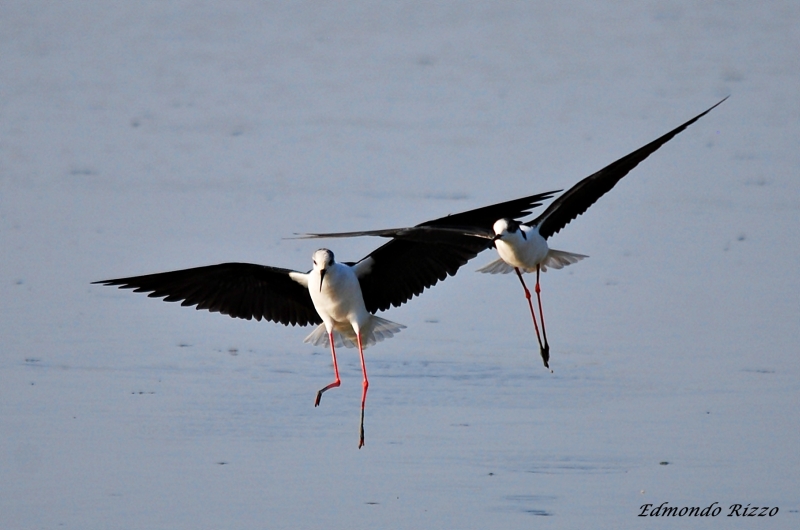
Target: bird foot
x,y
361,439
332,385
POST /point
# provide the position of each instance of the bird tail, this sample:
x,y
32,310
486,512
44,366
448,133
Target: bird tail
x,y
498,266
556,259
376,330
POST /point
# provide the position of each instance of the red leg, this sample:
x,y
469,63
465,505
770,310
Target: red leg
x,y
364,390
528,297
336,381
546,347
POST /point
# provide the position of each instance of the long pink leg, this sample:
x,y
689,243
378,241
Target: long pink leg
x,y
336,381
364,389
543,348
528,297
546,348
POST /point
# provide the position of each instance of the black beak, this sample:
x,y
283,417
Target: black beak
x,y
321,277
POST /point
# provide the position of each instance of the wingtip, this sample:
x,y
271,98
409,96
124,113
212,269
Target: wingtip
x,y
712,107
298,235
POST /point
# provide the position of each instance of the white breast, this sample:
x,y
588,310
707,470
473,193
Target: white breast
x,y
340,300
523,252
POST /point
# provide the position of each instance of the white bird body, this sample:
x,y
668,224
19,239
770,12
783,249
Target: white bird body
x,y
336,294
522,247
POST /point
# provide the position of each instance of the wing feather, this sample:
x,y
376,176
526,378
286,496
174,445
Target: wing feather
x,y
240,290
582,195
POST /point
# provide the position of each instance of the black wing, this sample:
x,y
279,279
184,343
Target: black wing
x,y
241,290
586,192
486,216
419,257
476,223
402,268
411,233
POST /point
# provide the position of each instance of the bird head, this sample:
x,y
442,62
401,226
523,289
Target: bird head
x,y
505,227
323,258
